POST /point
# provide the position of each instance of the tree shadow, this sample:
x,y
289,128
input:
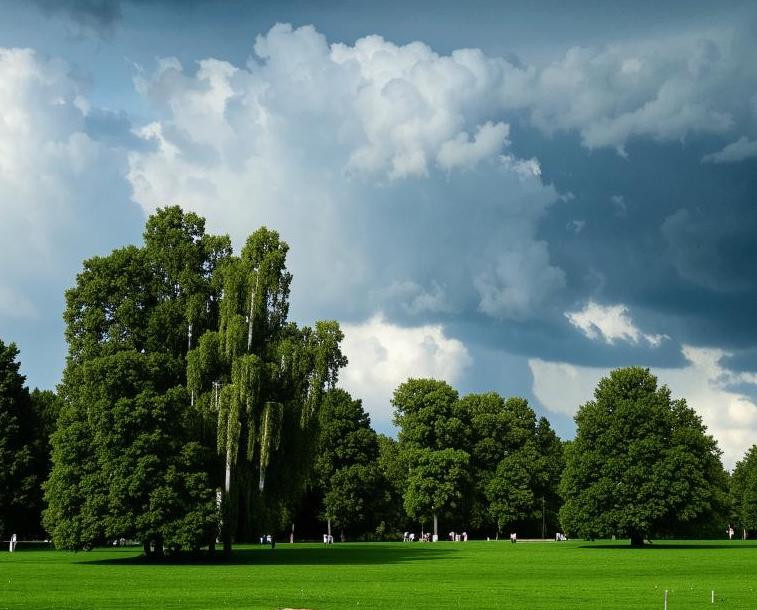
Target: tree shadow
x,y
670,546
347,554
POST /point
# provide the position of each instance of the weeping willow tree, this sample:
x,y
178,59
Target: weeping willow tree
x,y
258,382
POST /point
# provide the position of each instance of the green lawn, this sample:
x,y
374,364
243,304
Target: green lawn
x,y
393,575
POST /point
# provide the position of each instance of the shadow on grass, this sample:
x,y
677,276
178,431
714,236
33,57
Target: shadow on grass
x,y
287,555
667,546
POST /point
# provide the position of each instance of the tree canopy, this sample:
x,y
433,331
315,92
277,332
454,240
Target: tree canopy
x,y
744,490
641,464
23,450
184,381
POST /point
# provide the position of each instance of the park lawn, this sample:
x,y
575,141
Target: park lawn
x,y
572,574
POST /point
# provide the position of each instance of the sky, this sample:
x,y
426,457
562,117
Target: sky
x,y
511,196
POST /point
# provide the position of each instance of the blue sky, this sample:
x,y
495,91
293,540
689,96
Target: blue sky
x,y
512,196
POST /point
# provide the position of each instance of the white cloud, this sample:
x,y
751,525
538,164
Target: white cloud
x,y
55,180
382,356
461,152
610,323
741,149
731,417
664,88
382,164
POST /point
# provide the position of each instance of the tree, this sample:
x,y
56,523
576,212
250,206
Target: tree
x,y
22,451
432,438
346,465
426,413
258,382
394,471
515,460
744,490
128,454
436,483
641,463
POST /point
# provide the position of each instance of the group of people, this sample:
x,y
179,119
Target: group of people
x,y
560,537
268,539
456,537
424,537
328,539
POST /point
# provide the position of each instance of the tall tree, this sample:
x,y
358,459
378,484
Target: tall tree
x,y
436,484
432,438
744,490
23,451
515,461
641,464
259,381
346,464
126,459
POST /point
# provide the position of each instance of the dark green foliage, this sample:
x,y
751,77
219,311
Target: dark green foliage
x,y
23,451
641,464
744,490
436,483
355,493
480,459
426,414
258,381
129,456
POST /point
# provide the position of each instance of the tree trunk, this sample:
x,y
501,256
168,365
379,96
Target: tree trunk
x,y
436,527
227,508
342,536
637,539
291,535
328,528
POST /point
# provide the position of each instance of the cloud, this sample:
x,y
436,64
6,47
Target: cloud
x,y
576,226
664,89
384,165
610,323
382,356
730,416
91,16
62,198
741,149
460,152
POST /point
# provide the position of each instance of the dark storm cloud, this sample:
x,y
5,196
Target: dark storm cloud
x,y
97,16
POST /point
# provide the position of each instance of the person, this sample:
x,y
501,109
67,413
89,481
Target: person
x,y
405,537
452,536
513,538
13,543
412,536
465,536
730,533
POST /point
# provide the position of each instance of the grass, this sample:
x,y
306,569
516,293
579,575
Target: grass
x,y
572,574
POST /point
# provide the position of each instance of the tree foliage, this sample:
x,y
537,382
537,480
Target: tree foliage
x,y
347,472
23,450
744,490
641,464
259,382
127,461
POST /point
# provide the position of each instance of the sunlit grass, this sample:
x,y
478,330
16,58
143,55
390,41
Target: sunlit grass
x,y
393,575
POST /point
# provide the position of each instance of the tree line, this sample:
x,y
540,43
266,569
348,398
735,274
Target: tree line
x,y
191,411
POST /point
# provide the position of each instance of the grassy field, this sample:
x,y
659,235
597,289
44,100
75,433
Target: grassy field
x,y
393,575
